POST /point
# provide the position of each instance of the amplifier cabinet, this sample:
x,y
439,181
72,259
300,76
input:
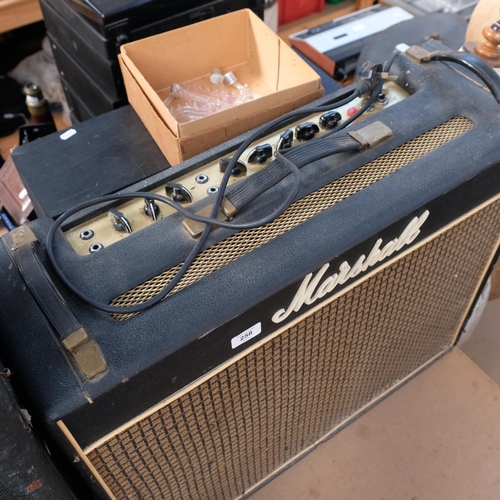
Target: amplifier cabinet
x,y
277,336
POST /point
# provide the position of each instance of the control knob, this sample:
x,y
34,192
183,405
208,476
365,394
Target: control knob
x,y
238,169
151,208
330,120
178,192
120,222
285,141
260,154
306,131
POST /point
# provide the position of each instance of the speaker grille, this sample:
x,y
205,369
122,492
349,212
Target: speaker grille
x,y
245,241
239,426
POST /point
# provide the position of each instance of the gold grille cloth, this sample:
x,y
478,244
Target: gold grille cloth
x,y
243,242
236,428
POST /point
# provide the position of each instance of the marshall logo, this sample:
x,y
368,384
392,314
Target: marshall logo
x,y
316,288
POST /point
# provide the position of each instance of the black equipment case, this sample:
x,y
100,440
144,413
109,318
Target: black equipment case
x,y
86,39
26,468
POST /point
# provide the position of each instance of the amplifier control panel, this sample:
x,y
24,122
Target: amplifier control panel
x,y
116,224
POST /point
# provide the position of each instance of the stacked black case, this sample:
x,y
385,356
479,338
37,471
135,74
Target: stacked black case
x,y
86,37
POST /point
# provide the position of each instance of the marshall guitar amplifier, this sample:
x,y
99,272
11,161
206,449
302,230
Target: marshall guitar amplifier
x,y
279,332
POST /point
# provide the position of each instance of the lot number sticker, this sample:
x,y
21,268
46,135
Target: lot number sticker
x,y
246,335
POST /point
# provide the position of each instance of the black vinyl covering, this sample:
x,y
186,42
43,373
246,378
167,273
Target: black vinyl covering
x,y
447,28
160,350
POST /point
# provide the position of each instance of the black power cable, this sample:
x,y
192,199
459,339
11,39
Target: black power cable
x,y
190,258
210,221
317,150
246,191
473,63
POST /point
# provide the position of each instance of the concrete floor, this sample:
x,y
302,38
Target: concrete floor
x,y
484,345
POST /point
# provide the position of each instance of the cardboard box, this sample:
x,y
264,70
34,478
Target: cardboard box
x,y
239,42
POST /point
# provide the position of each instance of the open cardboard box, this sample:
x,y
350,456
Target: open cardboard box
x,y
238,42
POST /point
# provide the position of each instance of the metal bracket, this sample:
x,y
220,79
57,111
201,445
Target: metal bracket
x,y
73,337
418,54
195,228
20,236
86,352
371,135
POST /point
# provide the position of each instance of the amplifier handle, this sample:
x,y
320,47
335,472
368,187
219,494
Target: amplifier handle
x,y
470,61
73,336
473,63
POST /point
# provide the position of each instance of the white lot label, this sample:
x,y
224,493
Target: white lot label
x,y
246,335
69,133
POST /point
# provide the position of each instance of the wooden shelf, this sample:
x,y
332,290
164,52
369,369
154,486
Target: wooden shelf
x,y
17,13
7,143
12,140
